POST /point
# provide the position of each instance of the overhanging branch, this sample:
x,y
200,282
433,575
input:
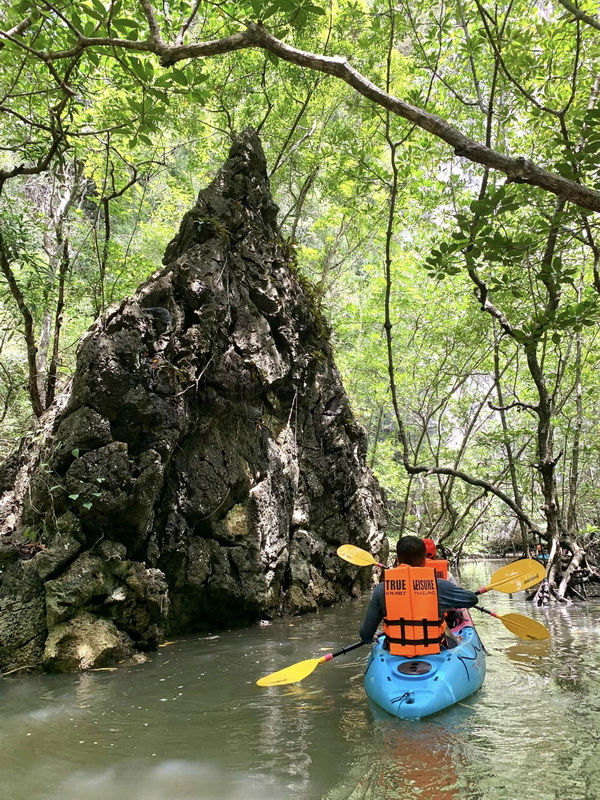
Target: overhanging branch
x,y
517,170
488,487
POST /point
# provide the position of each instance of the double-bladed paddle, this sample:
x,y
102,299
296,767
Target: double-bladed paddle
x,y
297,672
511,578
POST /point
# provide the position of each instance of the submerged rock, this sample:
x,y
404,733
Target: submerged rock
x,y
205,464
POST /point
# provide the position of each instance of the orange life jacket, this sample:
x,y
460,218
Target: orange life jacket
x,y
412,624
440,566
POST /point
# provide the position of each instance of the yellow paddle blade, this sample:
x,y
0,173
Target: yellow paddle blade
x,y
525,627
517,576
293,674
355,555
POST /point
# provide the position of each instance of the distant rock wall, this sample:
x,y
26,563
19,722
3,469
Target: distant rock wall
x,y
205,464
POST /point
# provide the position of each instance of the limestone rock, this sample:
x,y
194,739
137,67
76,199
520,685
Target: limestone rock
x,y
206,448
22,616
66,544
85,642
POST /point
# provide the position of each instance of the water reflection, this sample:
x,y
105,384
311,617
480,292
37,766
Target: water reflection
x,y
415,757
191,723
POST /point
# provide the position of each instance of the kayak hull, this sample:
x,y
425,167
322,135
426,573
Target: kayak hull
x,y
410,688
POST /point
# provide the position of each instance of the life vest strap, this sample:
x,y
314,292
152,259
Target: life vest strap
x,y
403,639
427,641
403,622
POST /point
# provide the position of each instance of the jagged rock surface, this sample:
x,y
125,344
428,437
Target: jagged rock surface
x,y
205,464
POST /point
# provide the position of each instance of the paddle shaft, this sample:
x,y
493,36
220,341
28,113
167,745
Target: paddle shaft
x,y
485,611
343,650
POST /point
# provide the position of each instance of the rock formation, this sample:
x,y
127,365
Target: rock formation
x,y
204,465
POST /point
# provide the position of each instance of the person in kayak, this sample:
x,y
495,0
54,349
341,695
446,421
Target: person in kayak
x,y
439,564
410,550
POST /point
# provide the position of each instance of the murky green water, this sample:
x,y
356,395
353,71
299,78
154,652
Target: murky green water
x,y
192,724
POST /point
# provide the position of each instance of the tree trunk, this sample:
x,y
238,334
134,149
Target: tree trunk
x,y
507,445
28,325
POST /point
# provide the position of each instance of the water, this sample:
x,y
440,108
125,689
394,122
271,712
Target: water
x,y
191,723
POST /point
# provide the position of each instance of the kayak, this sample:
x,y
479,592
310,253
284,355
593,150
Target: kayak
x,y
410,688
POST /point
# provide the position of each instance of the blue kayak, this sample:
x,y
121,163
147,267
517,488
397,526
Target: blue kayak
x,y
410,688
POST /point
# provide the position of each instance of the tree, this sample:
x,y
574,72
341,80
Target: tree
x,y
370,173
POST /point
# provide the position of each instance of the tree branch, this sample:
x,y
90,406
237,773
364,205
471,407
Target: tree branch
x,y
18,29
488,487
152,23
185,25
580,15
28,324
515,404
517,170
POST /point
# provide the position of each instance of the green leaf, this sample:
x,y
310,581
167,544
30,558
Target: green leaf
x,y
164,80
100,16
269,12
73,496
179,76
138,68
87,505
160,95
134,105
519,336
482,207
75,452
127,27
125,23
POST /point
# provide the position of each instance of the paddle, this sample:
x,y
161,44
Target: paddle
x,y
358,556
522,626
297,672
514,577
508,579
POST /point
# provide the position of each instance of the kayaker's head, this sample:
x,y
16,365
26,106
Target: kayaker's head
x,y
430,548
411,550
